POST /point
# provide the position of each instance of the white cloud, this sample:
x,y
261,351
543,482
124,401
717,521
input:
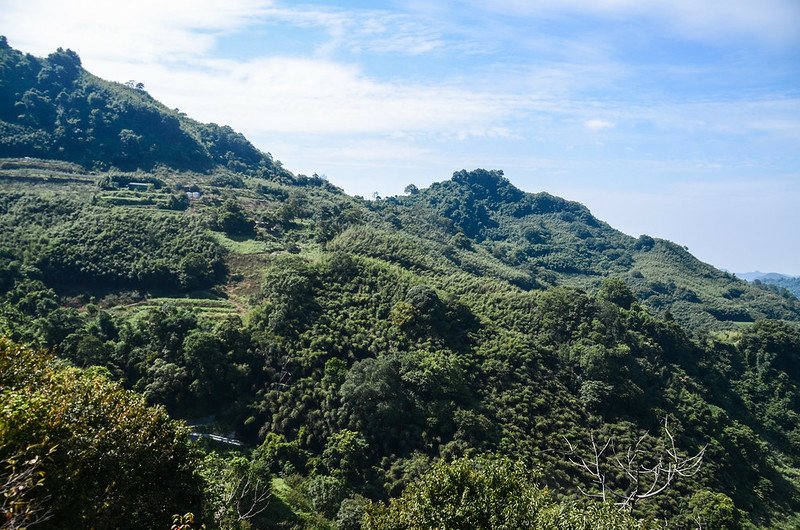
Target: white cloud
x,y
598,125
362,30
145,30
170,30
284,94
165,45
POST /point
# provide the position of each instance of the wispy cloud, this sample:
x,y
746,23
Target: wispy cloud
x,y
315,96
156,30
598,125
166,45
772,21
357,31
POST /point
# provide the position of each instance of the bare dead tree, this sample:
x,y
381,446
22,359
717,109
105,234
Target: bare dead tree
x,y
592,466
284,375
19,508
250,497
643,473
242,496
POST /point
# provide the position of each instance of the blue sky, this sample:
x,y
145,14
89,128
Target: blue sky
x,y
675,118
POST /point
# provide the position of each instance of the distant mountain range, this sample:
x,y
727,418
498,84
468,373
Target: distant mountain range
x,y
758,275
774,279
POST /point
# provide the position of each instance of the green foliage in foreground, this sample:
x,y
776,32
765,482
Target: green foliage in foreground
x,y
361,374
106,458
370,351
489,494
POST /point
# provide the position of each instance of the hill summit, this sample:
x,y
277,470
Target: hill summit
x,y
53,108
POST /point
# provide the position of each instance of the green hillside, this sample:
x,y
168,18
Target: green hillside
x,y
53,108
450,353
555,241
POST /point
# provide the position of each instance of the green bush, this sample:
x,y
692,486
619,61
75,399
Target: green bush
x,y
107,459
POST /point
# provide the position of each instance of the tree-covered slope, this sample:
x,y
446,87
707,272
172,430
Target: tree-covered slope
x,y
336,319
558,241
53,108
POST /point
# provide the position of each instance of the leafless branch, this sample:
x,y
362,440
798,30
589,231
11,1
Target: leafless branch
x,y
248,496
20,509
646,474
253,500
283,376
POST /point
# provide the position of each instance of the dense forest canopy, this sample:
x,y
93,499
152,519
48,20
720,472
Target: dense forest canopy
x,y
437,359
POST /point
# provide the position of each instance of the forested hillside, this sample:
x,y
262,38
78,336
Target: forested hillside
x,y
442,359
559,242
53,108
781,284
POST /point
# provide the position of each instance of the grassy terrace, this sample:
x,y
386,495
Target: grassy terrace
x,y
215,308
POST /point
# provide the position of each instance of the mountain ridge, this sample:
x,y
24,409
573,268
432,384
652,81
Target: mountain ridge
x,y
538,234
758,275
562,240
